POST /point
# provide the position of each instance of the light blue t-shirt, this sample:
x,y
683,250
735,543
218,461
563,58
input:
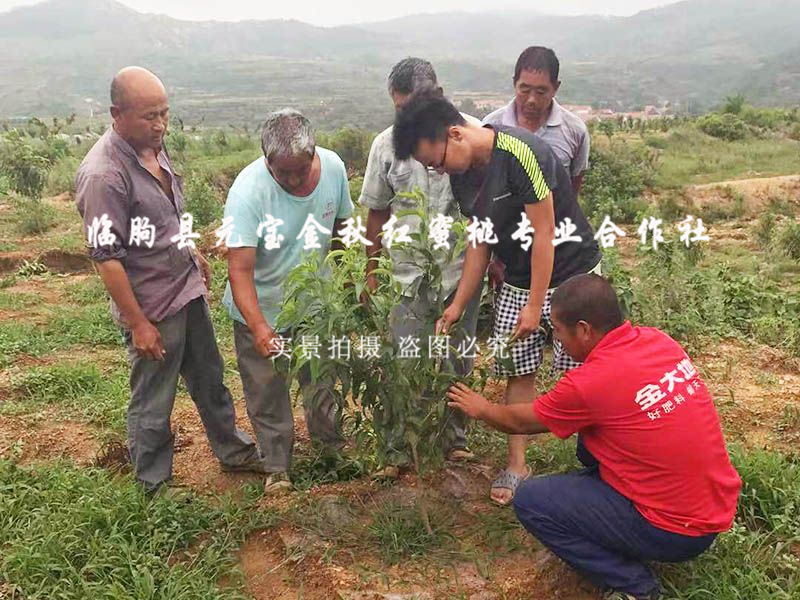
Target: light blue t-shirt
x,y
256,202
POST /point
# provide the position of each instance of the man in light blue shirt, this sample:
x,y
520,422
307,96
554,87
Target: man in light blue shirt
x,y
281,207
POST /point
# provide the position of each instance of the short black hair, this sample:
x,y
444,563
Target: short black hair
x,y
587,298
538,58
427,115
411,74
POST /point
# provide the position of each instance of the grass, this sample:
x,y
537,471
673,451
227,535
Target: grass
x,y
770,493
61,177
77,388
34,216
733,209
789,240
88,324
392,529
314,466
81,533
497,531
741,565
400,534
18,300
757,559
697,297
43,225
89,291
689,156
74,533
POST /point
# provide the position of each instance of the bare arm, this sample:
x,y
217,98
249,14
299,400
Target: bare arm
x,y
510,418
146,338
475,262
542,220
241,268
376,219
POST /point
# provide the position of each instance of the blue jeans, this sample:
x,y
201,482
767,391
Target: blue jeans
x,y
599,532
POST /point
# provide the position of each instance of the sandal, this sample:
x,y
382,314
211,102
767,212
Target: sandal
x,y
507,480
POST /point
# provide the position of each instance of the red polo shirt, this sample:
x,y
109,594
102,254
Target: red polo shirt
x,y
644,412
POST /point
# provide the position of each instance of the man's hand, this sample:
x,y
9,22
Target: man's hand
x,y
497,275
147,341
470,403
205,269
265,340
451,315
527,322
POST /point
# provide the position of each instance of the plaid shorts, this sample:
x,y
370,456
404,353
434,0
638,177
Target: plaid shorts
x,y
526,355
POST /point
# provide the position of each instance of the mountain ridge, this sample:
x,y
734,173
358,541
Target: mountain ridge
x,y
692,54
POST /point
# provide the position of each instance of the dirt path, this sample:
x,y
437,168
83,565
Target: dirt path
x,y
756,193
48,438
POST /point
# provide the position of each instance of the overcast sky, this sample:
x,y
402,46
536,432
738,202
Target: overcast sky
x,y
333,12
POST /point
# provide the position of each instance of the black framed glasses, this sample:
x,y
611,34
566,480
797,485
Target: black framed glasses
x,y
440,165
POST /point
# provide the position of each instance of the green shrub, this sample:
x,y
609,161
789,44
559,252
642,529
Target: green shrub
x,y
726,127
33,215
355,184
764,229
351,144
789,240
62,176
691,304
672,206
24,164
725,211
658,142
734,104
200,200
619,175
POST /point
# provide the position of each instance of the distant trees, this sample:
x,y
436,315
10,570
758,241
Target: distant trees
x,y
351,144
733,104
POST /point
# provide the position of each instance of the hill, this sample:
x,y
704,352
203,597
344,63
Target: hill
x,y
692,54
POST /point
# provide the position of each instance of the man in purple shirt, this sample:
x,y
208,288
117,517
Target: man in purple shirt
x,y
131,202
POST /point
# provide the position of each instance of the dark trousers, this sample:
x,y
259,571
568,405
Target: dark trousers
x,y
411,317
599,532
266,393
192,353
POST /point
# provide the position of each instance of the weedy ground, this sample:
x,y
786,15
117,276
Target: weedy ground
x,y
74,525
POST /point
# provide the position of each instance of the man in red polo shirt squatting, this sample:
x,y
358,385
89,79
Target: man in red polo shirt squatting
x,y
659,484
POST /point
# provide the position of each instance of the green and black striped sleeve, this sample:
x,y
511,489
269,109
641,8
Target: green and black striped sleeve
x,y
532,175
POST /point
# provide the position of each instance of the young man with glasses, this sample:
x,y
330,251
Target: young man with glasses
x,y
512,185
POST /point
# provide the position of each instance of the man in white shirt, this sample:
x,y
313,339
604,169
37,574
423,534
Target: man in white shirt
x,y
535,108
385,178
